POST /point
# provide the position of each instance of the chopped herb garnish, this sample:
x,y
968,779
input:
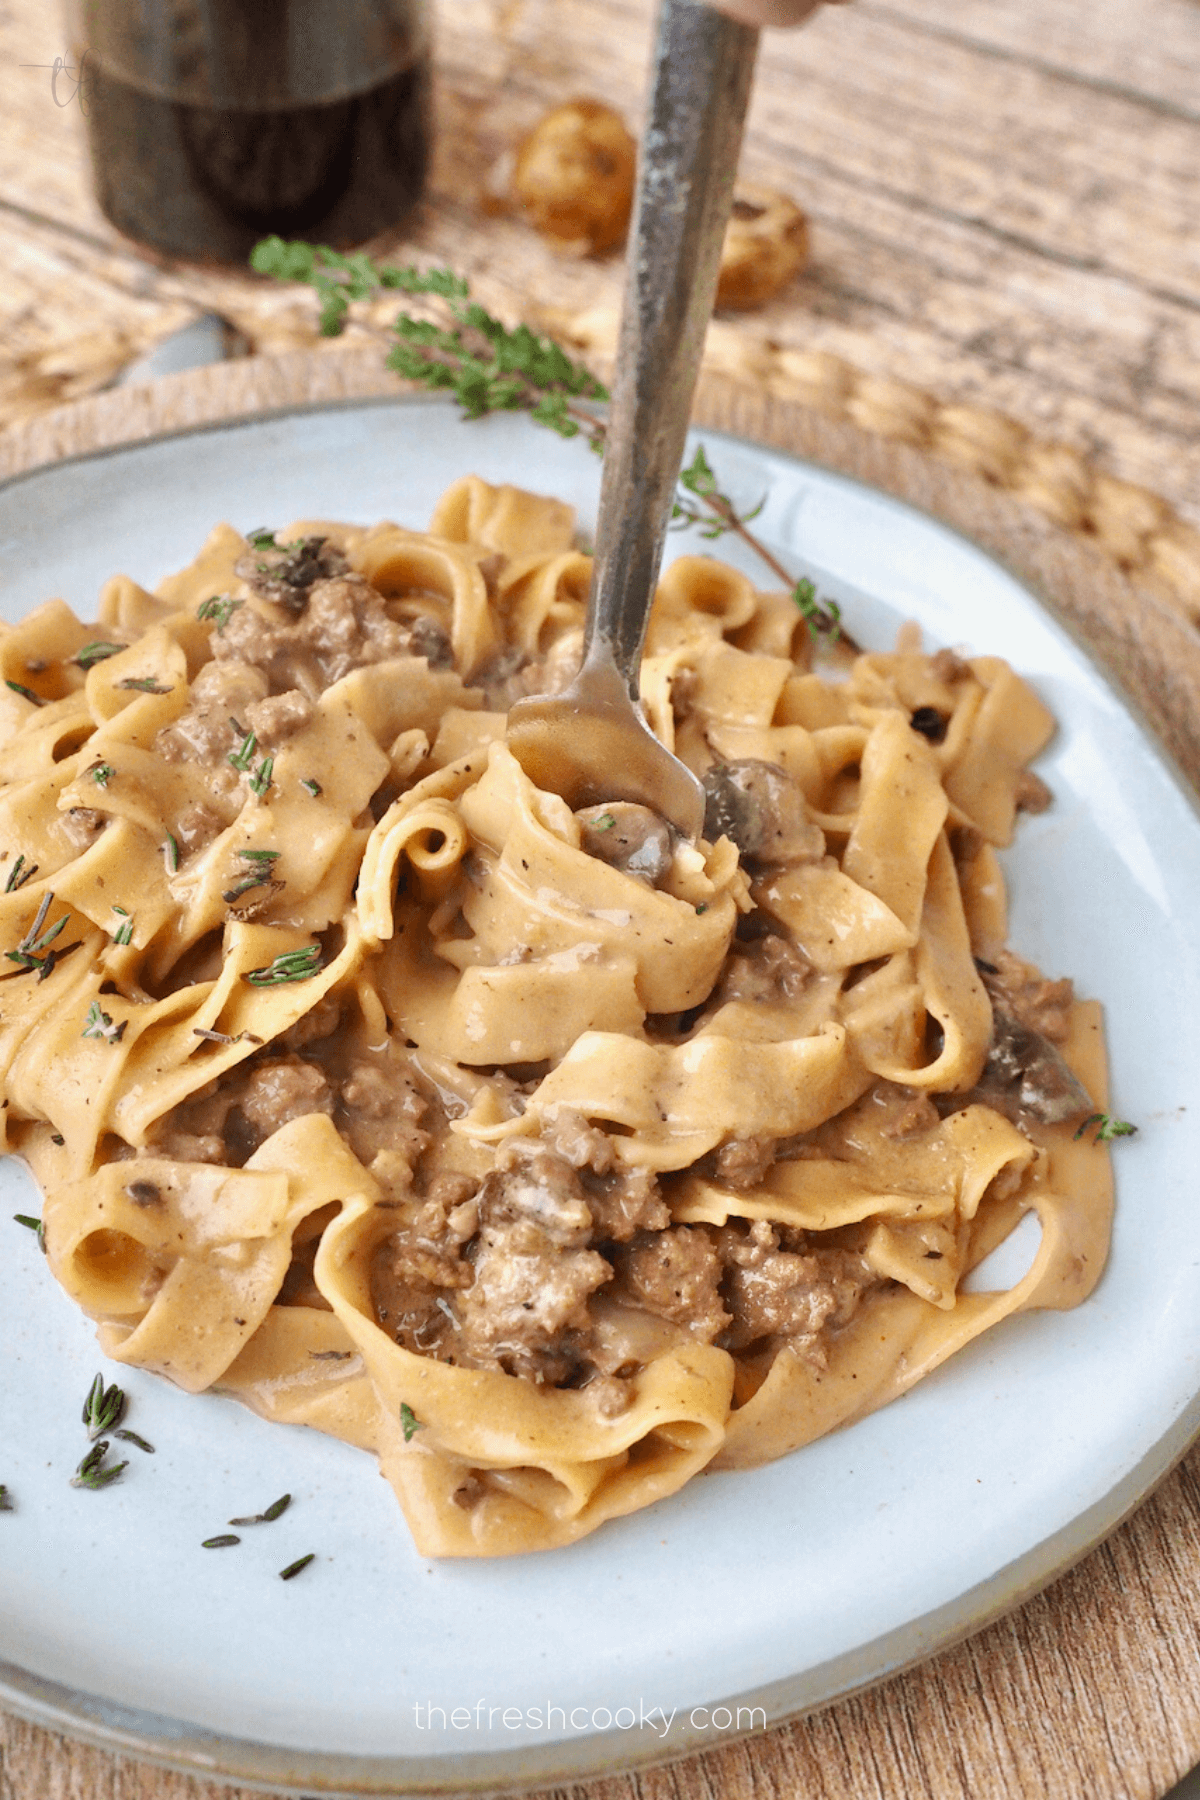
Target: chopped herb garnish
x,y
103,1409
604,823
220,609
314,788
33,1224
1107,1128
124,932
243,886
101,773
259,856
131,1437
261,539
28,952
409,1422
260,781
703,907
242,757
289,965
91,1472
821,619
98,1024
220,1543
171,847
25,693
275,1511
6,1504
18,875
144,684
56,1137
96,652
301,1562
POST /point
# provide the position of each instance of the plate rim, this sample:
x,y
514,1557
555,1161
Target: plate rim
x,y
175,1743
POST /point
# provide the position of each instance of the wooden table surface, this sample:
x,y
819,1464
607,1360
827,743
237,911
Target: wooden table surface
x,y
1003,201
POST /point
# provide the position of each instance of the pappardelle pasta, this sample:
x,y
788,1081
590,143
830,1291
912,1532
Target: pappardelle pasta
x,y
547,1156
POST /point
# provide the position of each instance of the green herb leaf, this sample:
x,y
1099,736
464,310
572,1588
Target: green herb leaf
x,y
131,1437
220,609
314,788
103,1409
604,823
29,952
409,1422
101,773
124,932
292,1569
144,684
289,965
25,693
98,1024
260,781
96,652
261,539
220,1543
92,1473
242,757
275,1511
18,875
33,1224
171,848
1107,1128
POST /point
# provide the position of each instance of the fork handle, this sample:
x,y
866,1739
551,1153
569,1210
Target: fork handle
x,y
703,67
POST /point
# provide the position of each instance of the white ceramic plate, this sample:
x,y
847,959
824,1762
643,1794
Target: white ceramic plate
x,y
778,1589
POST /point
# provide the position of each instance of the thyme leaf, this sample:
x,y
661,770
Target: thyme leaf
x,y
242,757
29,952
144,684
26,693
275,1511
289,965
220,609
293,1569
98,1024
409,1422
131,1437
18,875
171,849
101,773
1107,1128
220,1543
604,823
32,1224
92,1473
103,1409
314,787
260,781
124,932
96,652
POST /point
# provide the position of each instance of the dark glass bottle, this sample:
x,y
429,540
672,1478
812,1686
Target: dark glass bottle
x,y
213,122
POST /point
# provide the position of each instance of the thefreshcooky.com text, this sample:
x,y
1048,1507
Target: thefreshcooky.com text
x,y
484,1717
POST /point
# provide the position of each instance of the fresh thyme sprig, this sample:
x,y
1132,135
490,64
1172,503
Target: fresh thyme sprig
x,y
289,965
103,1409
101,773
489,367
18,875
92,1473
1107,1128
98,1024
33,951
220,609
243,756
124,932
